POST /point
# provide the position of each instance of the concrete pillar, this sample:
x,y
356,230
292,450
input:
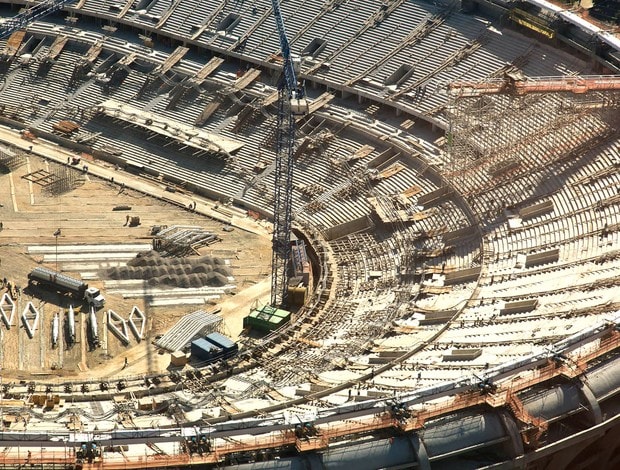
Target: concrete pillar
x,y
585,390
511,428
420,451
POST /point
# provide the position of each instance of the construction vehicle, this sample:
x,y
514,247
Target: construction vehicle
x,y
67,285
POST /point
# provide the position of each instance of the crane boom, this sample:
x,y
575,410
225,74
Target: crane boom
x,y
291,104
33,13
290,78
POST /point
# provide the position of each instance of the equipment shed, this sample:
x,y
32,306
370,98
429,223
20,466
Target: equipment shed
x,y
266,318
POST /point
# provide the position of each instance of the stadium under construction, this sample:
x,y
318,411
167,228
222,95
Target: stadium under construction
x,y
436,185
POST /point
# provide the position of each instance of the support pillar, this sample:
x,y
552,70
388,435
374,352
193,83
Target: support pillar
x,y
511,428
595,408
420,451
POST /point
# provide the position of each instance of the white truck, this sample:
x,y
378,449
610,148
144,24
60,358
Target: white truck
x,y
64,284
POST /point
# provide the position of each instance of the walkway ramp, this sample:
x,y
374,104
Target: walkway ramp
x,y
192,325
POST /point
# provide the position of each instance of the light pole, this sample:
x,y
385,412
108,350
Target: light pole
x,y
57,234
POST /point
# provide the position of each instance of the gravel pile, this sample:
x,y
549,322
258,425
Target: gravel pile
x,y
174,272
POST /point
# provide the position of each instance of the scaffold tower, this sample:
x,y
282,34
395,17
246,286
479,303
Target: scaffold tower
x,y
501,128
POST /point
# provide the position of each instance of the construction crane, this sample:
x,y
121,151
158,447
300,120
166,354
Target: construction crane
x,y
291,105
35,12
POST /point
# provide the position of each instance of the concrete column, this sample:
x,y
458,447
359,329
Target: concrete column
x,y
511,428
420,451
585,390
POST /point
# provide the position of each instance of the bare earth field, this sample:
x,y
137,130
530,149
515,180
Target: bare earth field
x,y
30,216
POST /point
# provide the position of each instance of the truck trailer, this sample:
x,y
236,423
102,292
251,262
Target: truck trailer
x,y
67,285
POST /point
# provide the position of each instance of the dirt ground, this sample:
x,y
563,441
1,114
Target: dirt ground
x,y
30,215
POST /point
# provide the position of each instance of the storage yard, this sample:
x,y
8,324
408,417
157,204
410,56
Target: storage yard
x,y
96,244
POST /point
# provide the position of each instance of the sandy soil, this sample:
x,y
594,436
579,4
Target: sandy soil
x,y
30,216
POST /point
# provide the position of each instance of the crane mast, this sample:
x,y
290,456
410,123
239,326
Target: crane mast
x,y
291,103
33,13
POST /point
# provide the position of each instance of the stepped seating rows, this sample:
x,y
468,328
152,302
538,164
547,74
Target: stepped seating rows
x,y
577,214
127,93
371,35
532,186
371,291
543,151
580,275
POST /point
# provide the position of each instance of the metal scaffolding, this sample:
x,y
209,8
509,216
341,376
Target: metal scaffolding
x,y
63,179
502,129
11,158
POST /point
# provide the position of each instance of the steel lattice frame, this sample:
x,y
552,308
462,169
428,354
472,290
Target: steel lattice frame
x,y
34,13
283,199
494,137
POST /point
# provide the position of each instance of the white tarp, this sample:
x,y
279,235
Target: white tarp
x,y
182,133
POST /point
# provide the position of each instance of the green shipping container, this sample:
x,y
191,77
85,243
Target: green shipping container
x,y
266,318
